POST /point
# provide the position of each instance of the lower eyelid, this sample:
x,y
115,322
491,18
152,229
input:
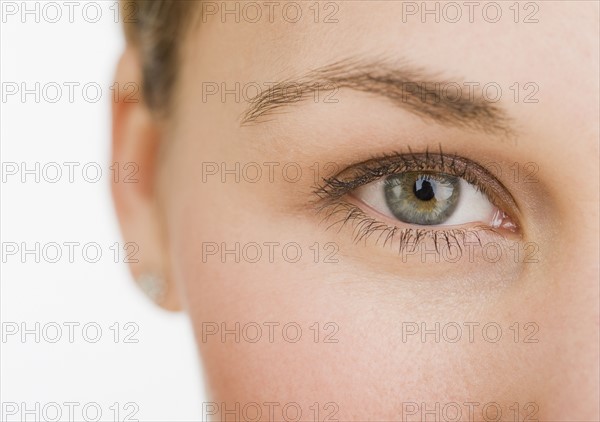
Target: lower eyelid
x,y
440,245
349,213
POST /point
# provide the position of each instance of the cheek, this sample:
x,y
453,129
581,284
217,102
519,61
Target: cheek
x,y
305,332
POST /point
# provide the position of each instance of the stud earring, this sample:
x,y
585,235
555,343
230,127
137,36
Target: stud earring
x,y
153,285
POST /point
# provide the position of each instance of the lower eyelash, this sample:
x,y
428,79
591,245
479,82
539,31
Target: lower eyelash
x,y
365,227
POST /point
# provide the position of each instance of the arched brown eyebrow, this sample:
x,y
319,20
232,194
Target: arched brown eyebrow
x,y
411,88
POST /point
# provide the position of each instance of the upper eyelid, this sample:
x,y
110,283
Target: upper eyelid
x,y
365,172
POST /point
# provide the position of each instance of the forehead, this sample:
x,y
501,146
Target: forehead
x,y
490,37
544,43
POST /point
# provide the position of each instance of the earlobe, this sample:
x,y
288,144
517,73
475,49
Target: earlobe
x,y
136,139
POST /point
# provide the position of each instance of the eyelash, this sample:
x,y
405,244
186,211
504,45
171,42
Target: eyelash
x,y
332,191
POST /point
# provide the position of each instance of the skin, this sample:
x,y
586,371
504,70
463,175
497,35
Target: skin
x,y
370,294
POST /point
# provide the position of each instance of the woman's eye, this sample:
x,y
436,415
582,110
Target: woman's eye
x,y
429,198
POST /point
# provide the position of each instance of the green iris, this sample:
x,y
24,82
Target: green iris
x,y
422,198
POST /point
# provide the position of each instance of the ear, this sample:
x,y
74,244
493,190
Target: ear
x,y
136,138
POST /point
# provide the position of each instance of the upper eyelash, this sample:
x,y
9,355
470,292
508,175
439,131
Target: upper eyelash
x,y
359,174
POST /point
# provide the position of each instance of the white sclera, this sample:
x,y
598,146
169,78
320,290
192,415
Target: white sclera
x,y
472,207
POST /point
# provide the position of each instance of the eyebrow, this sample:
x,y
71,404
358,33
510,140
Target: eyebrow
x,y
451,103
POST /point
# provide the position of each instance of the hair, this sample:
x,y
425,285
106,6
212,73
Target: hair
x,y
155,29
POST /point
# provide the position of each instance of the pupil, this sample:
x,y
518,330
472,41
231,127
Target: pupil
x,y
423,190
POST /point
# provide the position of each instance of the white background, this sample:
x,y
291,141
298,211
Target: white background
x,y
160,373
